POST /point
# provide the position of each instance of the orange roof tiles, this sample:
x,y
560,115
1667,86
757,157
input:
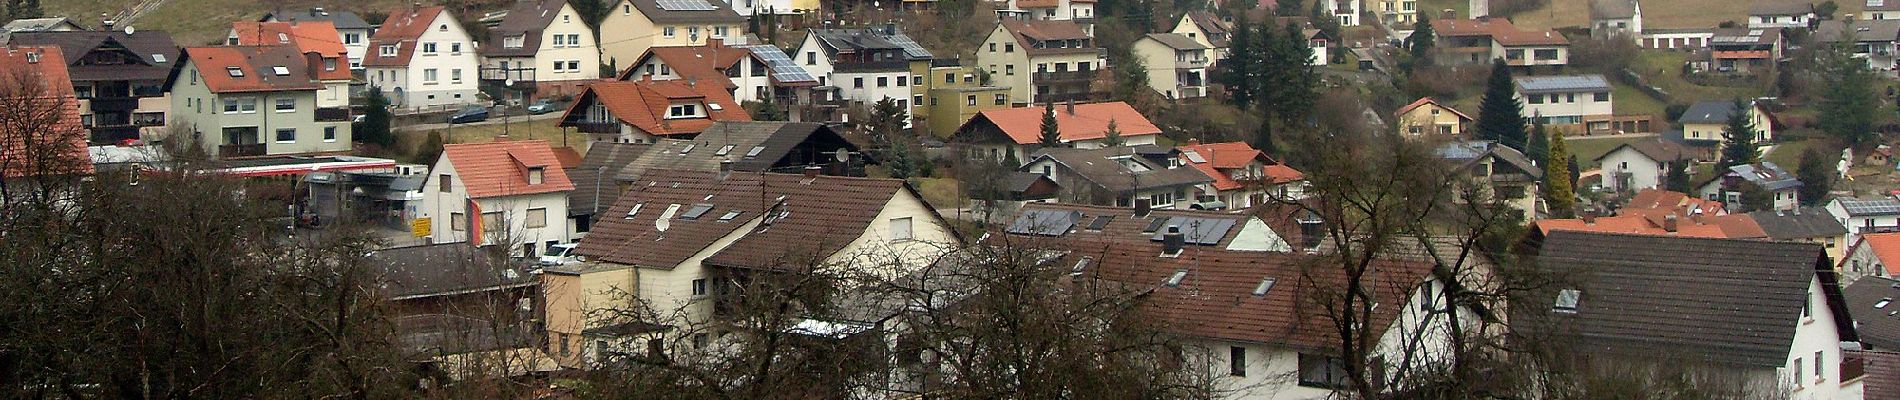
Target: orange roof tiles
x,y
1088,122
1218,157
37,74
1885,246
706,64
309,37
568,157
1653,198
643,104
497,169
402,29
239,69
1720,227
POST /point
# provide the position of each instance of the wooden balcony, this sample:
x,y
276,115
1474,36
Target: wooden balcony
x,y
1063,76
333,114
241,150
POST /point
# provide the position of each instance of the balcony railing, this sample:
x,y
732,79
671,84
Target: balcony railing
x,y
240,150
112,134
506,74
1042,77
870,66
596,127
333,114
1190,64
114,104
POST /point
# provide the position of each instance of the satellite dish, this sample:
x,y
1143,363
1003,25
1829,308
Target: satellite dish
x,y
843,154
129,30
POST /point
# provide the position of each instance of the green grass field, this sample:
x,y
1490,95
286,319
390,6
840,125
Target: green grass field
x,y
1664,68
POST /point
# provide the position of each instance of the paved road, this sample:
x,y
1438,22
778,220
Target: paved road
x,y
490,121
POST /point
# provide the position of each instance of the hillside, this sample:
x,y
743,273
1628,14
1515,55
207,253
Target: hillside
x,y
199,22
1657,13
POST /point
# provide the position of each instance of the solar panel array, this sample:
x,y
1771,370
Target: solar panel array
x,y
1197,230
1871,207
1194,156
1044,222
687,5
911,48
783,69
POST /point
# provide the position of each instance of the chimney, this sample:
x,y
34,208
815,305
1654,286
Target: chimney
x,y
1143,207
715,42
890,28
646,78
313,62
1194,142
691,81
1173,241
1669,223
811,173
725,169
1070,105
1589,217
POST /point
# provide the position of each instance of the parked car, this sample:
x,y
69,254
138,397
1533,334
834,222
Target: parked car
x,y
467,115
542,106
559,254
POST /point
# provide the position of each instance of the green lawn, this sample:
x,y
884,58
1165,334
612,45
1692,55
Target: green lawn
x,y
1588,149
1630,101
1664,68
1461,7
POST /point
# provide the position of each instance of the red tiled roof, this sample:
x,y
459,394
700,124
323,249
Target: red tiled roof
x,y
1653,198
1427,100
1886,247
643,104
1650,222
45,82
568,157
256,64
403,27
497,169
705,64
1089,121
1219,158
308,36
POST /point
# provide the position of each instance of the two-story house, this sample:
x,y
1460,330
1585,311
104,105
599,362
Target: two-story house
x,y
1780,14
423,58
1874,40
1478,41
631,27
1244,177
956,94
505,193
1428,117
1613,18
1504,174
1121,176
1398,14
1783,188
542,49
1878,10
1642,164
1864,216
1041,61
1177,64
1082,12
678,241
1741,50
1566,100
41,24
646,110
1806,225
35,76
867,65
247,101
750,73
1348,12
118,78
312,38
1777,335
352,31
1705,121
1208,30
1015,133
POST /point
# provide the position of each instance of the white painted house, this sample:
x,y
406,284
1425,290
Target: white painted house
x,y
1863,216
1564,99
508,193
423,58
543,46
1642,164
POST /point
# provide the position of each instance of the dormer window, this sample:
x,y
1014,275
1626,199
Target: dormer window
x,y
535,175
684,111
515,42
32,58
388,50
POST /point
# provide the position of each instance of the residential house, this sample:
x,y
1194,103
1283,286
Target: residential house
x,y
1870,300
1478,41
1663,213
1244,177
1780,14
645,110
1805,225
1567,101
1014,190
1506,174
1397,14
40,72
594,186
1783,188
1612,18
961,93
632,27
1122,176
787,147
119,79
1643,164
1013,133
462,313
423,58
1041,61
1241,299
352,31
1741,50
678,241
1870,256
1878,10
542,49
1776,334
867,65
1348,12
389,198
1676,38
1429,117
1177,64
249,101
1705,121
511,194
1320,44
312,39
1208,30
1874,40
49,24
1081,12
1864,216
750,73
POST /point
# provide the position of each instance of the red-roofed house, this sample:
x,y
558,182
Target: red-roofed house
x,y
33,142
1041,61
422,57
316,38
518,188
1243,177
646,110
997,134
1427,116
1478,41
1874,254
248,101
541,49
746,71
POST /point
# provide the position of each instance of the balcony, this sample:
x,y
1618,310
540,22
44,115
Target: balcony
x,y
517,75
871,66
1063,76
1190,63
1190,91
241,150
114,104
333,114
595,127
113,134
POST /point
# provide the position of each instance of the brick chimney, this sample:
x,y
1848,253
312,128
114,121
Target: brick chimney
x,y
1070,106
1173,241
1589,217
313,62
1669,223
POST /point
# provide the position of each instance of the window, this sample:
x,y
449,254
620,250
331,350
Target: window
x,y
917,99
388,50
352,38
1570,97
1601,96
699,287
992,47
329,134
1001,98
1429,298
491,221
1237,361
457,222
901,82
682,111
442,28
455,75
667,31
286,105
560,67
428,75
286,135
455,48
1545,54
883,81
1536,98
1797,372
234,71
1009,47
1820,366
811,58
1322,371
719,31
428,48
857,82
537,218
535,175
900,229
1567,301
692,33
1807,307
626,9
443,185
1009,69
970,100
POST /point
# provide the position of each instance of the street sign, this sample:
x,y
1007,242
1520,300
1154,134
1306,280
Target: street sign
x,y
420,227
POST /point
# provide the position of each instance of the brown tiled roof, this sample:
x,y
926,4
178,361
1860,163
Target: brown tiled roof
x,y
1879,325
1498,29
527,19
597,169
309,37
1029,32
1728,301
1089,121
1422,101
1176,41
256,64
141,44
821,217
1218,159
1095,166
1210,24
1653,198
497,169
705,64
1781,7
402,28
567,157
1882,373
22,153
643,104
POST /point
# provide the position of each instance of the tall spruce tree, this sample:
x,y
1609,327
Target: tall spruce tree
x,y
1816,173
1293,79
1739,137
1848,103
1539,150
376,121
1289,8
1678,178
1500,116
1242,63
1559,193
1051,134
1422,42
1113,136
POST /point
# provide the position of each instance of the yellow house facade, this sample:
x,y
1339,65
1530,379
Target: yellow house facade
x,y
1428,117
632,27
955,94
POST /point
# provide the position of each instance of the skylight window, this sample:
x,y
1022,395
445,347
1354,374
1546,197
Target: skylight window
x,y
1154,225
280,70
1883,303
689,148
1081,265
1567,300
1265,285
1100,222
283,38
158,58
635,209
697,211
730,215
723,150
235,72
1175,280
755,151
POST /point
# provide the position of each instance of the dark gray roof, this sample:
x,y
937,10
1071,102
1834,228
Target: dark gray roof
x,y
1802,223
1781,7
1177,41
431,335
1870,207
1879,324
1104,168
1468,152
1708,112
427,270
1882,5
1612,9
720,12
1768,175
777,139
609,155
342,19
1730,301
1657,149
76,44
37,24
527,19
862,39
1879,30
1018,181
1562,83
